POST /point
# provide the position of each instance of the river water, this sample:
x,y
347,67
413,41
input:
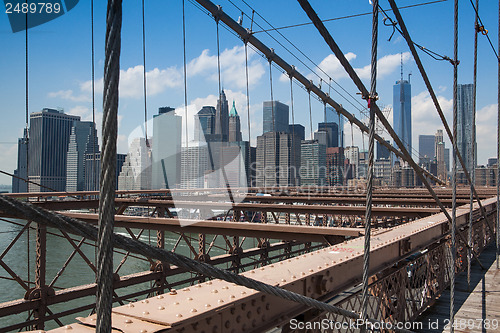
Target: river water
x,y
77,271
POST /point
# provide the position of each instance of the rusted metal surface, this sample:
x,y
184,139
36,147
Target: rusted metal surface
x,y
275,231
321,274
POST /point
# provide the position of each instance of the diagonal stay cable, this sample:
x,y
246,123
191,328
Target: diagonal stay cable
x,y
261,47
364,92
427,82
51,219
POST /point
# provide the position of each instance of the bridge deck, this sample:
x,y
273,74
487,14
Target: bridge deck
x,y
482,305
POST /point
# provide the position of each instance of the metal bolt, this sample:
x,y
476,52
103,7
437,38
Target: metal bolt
x,y
186,289
243,292
207,305
225,287
232,296
311,270
68,327
215,291
302,273
176,303
159,296
145,301
209,282
173,292
294,277
221,301
189,298
283,280
143,331
145,313
194,310
128,321
130,305
178,315
161,308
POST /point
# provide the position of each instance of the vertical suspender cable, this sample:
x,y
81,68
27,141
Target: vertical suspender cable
x,y
218,62
272,97
185,73
94,181
369,190
498,148
248,94
108,170
27,140
144,75
294,141
472,164
310,115
454,172
93,170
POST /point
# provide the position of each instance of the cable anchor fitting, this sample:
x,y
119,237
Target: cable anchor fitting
x,y
481,29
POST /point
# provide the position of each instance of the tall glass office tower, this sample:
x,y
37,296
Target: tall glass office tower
x,y
402,112
464,125
48,148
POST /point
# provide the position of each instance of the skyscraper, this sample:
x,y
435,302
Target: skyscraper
x,y
136,170
93,170
464,126
313,163
278,159
351,154
440,152
234,125
194,165
204,123
333,116
297,129
402,111
426,148
335,166
18,184
280,121
333,133
82,141
48,148
222,117
166,150
383,153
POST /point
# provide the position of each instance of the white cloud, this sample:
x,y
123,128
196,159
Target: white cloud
x,y
385,65
233,70
131,81
69,95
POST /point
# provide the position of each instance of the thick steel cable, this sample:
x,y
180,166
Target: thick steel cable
x,y
406,35
144,75
355,78
25,210
454,172
108,170
369,186
498,150
473,147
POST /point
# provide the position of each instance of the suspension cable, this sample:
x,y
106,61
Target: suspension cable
x,y
185,74
472,148
94,177
272,97
104,294
369,190
144,75
248,92
482,29
294,141
310,115
27,137
454,173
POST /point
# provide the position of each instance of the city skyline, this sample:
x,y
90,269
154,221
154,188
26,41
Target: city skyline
x,y
69,71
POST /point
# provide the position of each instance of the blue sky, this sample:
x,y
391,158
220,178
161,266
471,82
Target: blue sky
x,y
60,63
